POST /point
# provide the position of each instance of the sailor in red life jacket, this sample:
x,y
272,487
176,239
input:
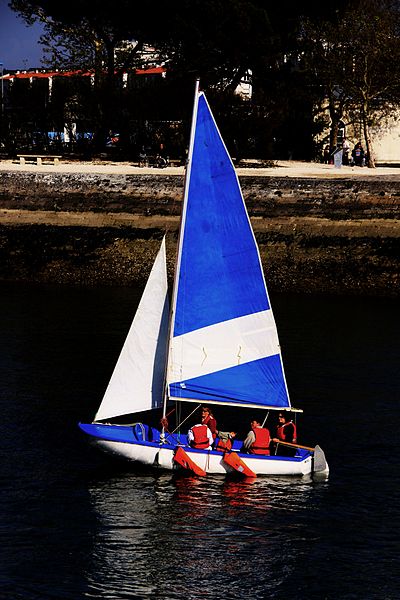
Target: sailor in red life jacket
x,y
200,436
207,418
285,432
257,440
225,441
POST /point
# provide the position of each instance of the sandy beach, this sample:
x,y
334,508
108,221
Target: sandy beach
x,y
280,169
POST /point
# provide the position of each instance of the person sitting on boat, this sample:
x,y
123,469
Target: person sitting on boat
x,y
207,418
200,436
285,432
257,440
225,441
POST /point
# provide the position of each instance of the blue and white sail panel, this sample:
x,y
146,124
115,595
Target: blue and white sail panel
x,y
220,275
259,383
137,381
235,362
224,345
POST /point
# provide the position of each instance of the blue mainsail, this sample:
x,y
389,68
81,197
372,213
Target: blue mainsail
x,y
224,346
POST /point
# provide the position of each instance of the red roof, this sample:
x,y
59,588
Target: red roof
x,y
46,75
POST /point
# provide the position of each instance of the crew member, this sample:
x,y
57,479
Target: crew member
x,y
200,436
257,440
225,441
285,432
207,418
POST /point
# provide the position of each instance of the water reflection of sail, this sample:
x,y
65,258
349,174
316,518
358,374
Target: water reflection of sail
x,y
250,518
168,537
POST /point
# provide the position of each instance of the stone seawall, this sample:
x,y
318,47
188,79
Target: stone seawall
x,y
337,235
346,198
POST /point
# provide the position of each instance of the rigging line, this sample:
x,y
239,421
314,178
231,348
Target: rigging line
x,y
266,417
182,226
175,213
178,418
164,405
184,420
170,412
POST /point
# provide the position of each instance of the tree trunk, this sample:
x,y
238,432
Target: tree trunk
x,y
335,116
104,91
333,134
368,141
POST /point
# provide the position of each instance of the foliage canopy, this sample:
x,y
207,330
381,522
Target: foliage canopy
x,y
299,56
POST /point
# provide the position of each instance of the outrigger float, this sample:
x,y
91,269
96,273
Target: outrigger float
x,y
218,345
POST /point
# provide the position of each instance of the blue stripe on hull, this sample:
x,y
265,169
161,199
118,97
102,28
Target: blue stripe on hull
x,y
116,433
257,382
221,276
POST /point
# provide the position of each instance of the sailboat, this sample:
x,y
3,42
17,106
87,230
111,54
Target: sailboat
x,y
217,344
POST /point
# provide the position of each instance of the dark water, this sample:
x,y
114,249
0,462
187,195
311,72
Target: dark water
x,y
75,524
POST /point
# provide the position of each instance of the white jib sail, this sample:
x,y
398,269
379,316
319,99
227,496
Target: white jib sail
x,y
137,381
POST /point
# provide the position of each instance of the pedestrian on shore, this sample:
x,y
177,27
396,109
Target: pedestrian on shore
x,y
358,155
346,151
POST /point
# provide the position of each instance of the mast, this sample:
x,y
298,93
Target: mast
x,y
179,251
223,341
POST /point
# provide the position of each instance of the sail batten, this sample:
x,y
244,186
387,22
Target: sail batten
x,y
224,344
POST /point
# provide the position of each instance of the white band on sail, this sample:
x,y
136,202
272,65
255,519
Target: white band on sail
x,y
224,345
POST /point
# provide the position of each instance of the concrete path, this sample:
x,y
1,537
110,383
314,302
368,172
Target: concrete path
x,y
281,169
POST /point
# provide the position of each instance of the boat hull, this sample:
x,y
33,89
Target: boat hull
x,y
161,456
211,462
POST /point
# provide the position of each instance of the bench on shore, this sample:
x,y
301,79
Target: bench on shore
x,y
149,160
38,158
175,162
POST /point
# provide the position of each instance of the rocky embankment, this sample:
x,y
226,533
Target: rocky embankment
x,y
316,234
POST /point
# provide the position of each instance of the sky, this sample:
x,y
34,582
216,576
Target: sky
x,y
19,48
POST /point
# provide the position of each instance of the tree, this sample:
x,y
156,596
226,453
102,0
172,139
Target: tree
x,y
356,62
217,40
101,36
328,57
374,84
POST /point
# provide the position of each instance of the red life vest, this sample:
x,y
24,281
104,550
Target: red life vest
x,y
224,445
280,432
200,437
261,445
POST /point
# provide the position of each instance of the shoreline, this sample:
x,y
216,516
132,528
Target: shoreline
x,y
319,229
281,168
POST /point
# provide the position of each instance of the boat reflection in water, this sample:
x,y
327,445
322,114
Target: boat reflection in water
x,y
164,536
